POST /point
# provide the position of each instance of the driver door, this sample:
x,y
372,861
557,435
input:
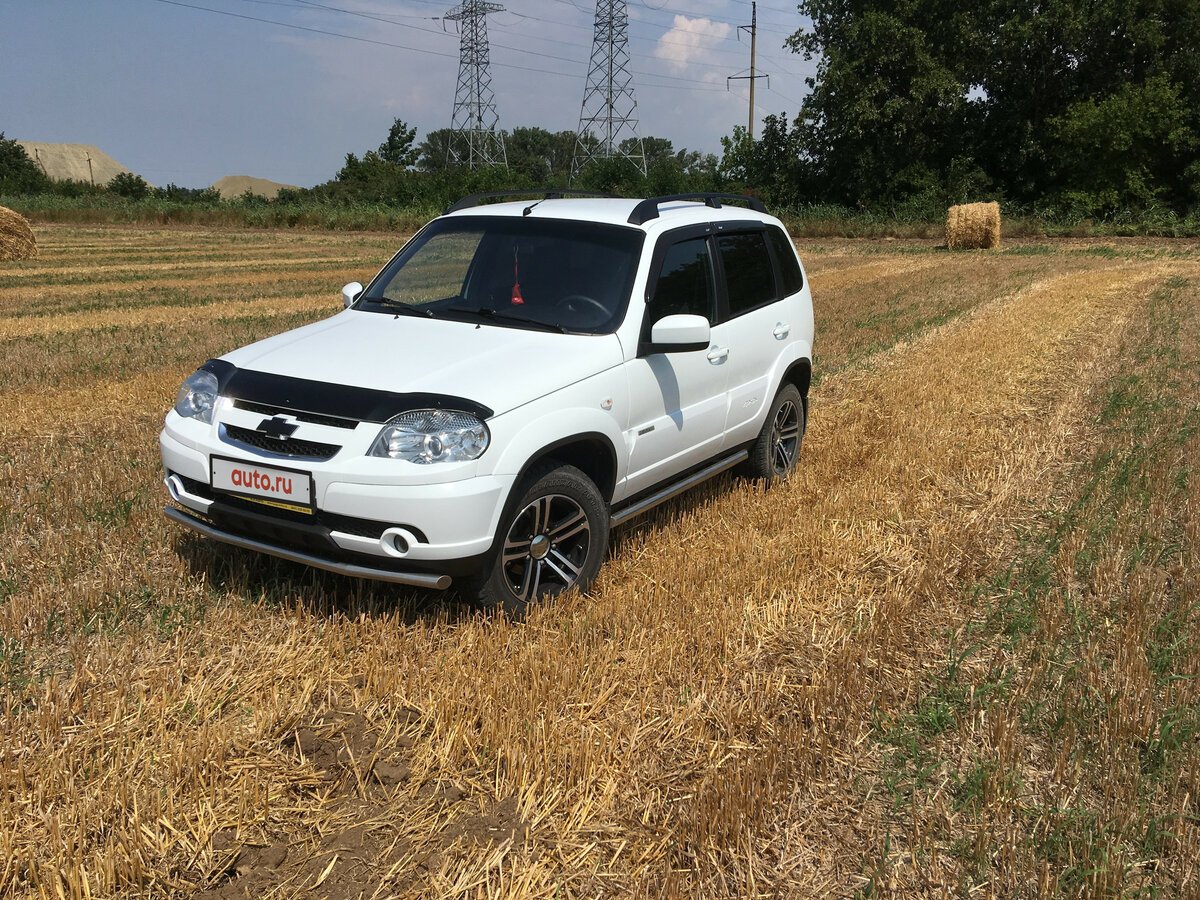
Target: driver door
x,y
678,400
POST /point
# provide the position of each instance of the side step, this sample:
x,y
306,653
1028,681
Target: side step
x,y
676,488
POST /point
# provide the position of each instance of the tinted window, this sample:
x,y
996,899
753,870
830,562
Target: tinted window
x,y
789,269
685,284
521,272
748,275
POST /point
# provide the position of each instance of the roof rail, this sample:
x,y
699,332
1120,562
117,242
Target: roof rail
x,y
544,193
648,209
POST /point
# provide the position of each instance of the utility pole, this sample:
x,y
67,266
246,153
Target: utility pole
x,y
474,139
606,116
91,174
753,76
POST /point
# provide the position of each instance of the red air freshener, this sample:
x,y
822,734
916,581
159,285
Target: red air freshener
x,y
517,299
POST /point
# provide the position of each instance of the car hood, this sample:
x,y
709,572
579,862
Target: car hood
x,y
501,368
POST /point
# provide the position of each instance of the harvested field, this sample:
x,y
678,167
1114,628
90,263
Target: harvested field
x,y
957,654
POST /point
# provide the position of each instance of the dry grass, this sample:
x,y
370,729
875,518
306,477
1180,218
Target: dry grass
x,y
721,717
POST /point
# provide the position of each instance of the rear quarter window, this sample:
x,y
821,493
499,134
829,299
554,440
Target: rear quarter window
x,y
791,280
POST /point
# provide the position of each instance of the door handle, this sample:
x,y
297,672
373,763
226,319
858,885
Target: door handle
x,y
781,330
718,354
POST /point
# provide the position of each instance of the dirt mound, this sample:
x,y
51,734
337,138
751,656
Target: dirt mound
x,y
233,186
69,162
16,237
973,226
373,817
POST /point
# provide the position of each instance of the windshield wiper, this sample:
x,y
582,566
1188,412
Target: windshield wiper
x,y
401,308
488,313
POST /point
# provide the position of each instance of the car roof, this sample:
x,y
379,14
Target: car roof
x,y
616,211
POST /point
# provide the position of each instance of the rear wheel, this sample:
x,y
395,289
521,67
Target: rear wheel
x,y
555,539
777,447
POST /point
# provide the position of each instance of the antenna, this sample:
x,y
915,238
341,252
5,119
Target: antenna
x,y
606,114
753,29
474,140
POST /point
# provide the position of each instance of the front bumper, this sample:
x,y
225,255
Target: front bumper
x,y
446,528
413,579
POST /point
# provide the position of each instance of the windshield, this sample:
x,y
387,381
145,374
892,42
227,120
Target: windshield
x,y
524,273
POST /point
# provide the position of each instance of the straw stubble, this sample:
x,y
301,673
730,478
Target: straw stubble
x,y
180,717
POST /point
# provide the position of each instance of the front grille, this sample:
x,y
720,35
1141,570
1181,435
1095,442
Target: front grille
x,y
279,446
315,418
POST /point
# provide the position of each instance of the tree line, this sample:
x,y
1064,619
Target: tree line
x,y
1064,109
1076,108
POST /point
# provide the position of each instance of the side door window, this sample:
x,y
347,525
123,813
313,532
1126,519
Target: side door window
x,y
684,285
749,275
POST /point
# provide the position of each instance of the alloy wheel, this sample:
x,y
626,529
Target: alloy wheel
x,y
785,437
546,547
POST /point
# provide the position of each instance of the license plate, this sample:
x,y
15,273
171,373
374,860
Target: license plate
x,y
289,488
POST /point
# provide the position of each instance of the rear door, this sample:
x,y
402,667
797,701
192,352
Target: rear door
x,y
756,324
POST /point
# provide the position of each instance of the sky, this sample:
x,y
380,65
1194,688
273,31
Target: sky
x,y
186,95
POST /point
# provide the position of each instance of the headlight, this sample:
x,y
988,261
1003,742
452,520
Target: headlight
x,y
432,435
198,396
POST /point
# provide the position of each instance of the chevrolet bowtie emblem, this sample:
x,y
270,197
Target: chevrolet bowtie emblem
x,y
277,427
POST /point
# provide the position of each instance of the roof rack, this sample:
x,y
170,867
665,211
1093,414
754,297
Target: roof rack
x,y
648,209
545,194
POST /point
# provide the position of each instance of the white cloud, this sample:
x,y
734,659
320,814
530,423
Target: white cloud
x,y
689,41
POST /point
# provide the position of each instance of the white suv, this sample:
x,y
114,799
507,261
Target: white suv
x,y
517,380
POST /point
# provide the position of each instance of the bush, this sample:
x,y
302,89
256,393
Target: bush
x,y
18,173
127,184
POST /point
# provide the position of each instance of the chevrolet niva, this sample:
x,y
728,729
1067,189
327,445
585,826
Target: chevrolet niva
x,y
520,378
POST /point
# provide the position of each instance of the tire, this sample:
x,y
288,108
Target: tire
x,y
554,537
777,447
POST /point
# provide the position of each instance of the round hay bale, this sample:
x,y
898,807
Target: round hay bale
x,y
973,226
16,237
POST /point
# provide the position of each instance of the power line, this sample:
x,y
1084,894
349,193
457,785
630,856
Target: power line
x,y
444,33
444,55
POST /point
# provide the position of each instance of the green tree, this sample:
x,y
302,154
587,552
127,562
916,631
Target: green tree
x,y
18,173
398,149
889,104
127,184
433,153
540,155
920,102
1124,150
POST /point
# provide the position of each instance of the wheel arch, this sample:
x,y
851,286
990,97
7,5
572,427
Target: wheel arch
x,y
591,452
799,373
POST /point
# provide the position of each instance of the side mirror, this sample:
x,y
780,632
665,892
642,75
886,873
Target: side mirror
x,y
350,293
679,334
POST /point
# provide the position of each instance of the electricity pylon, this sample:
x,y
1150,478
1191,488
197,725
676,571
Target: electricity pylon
x,y
474,139
606,116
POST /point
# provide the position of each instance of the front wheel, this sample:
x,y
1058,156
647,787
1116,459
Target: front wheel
x,y
777,446
554,539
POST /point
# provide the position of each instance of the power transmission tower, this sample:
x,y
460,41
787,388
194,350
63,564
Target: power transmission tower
x,y
606,115
474,140
752,77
